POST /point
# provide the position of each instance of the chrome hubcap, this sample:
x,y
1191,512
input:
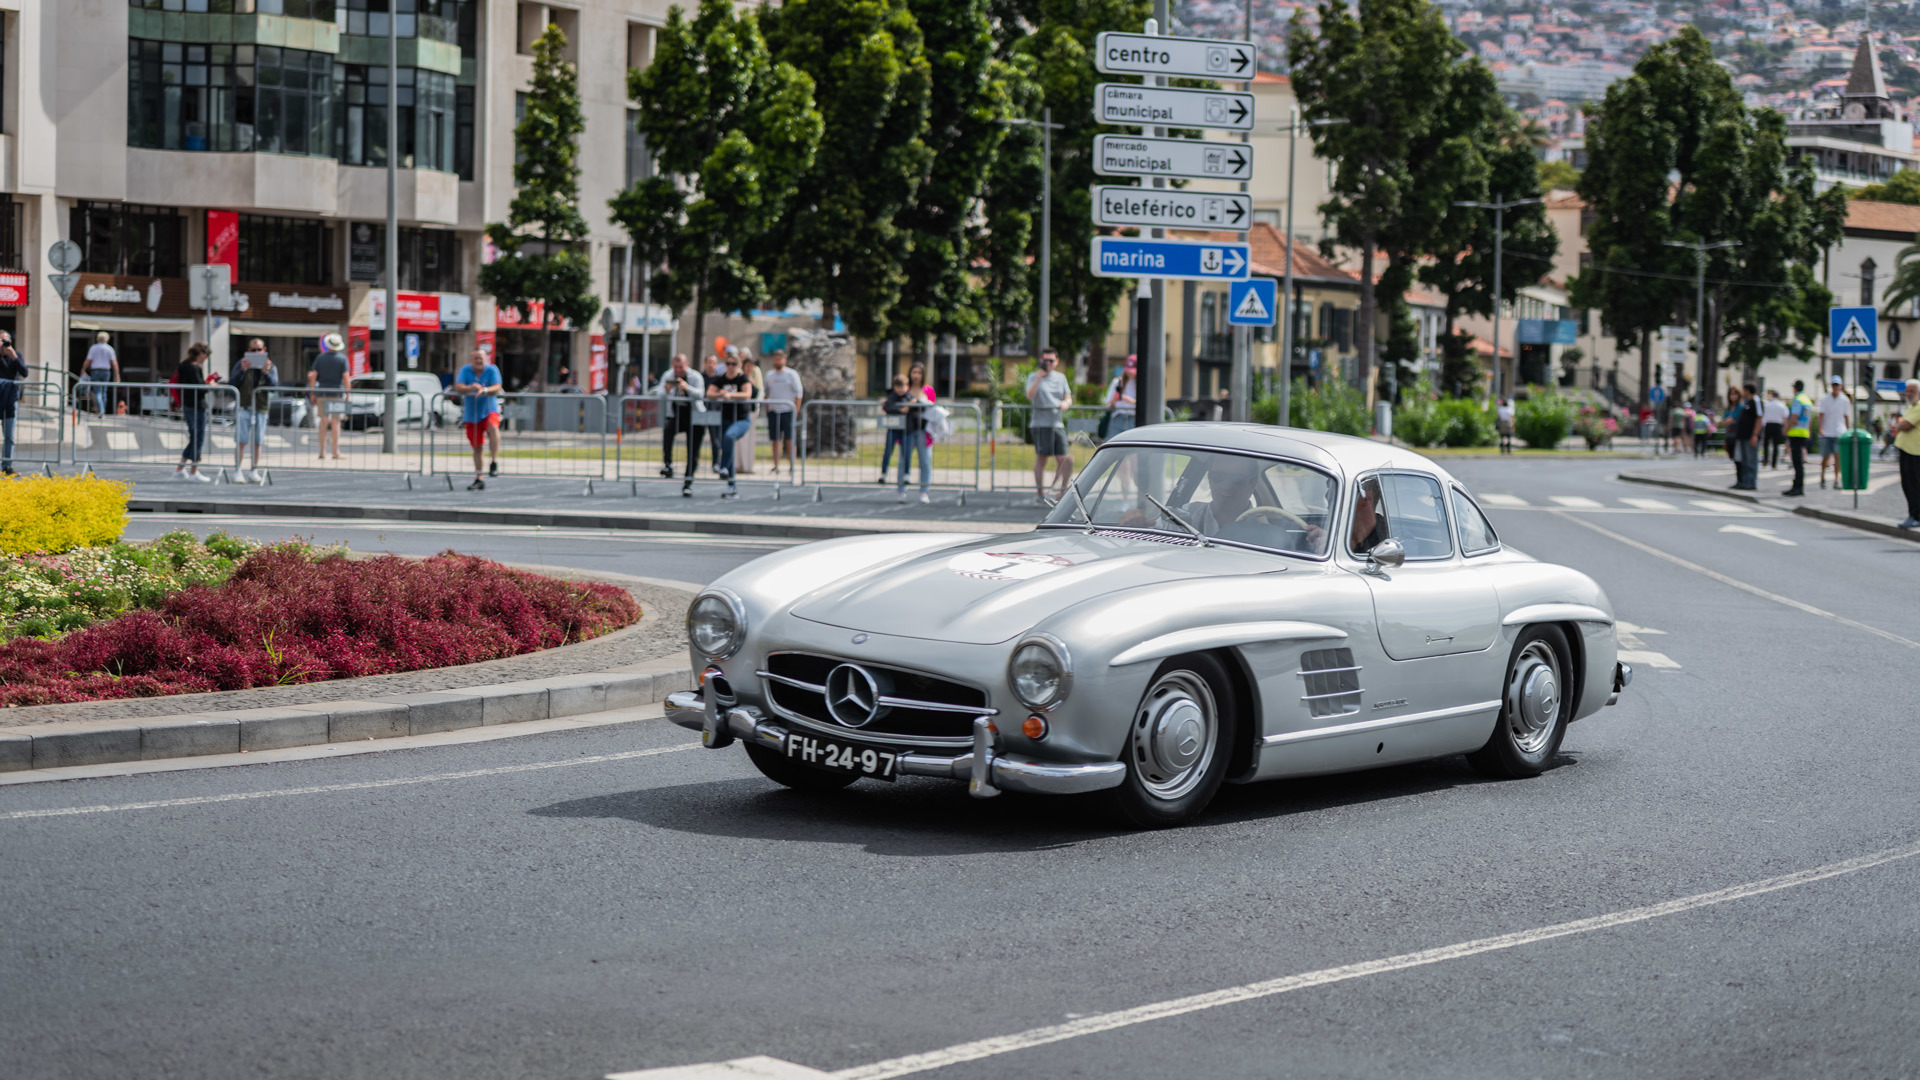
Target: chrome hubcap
x,y
1533,698
1174,735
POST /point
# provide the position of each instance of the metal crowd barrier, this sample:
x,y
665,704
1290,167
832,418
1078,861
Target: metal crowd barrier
x,y
152,429
1012,454
853,442
40,419
639,449
544,434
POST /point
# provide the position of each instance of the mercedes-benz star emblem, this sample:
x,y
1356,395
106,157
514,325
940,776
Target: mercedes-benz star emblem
x,y
859,639
853,697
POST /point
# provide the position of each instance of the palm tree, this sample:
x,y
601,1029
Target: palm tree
x,y
1904,287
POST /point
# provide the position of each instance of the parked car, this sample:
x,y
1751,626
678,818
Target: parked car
x,y
416,401
1212,603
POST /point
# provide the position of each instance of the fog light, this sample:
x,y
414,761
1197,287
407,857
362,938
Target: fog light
x,y
1035,727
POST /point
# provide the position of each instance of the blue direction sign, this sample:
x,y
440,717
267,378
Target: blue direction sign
x,y
1891,386
1183,260
1253,302
1656,394
1853,330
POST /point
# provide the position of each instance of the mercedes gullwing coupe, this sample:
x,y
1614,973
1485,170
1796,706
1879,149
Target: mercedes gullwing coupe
x,y
1210,603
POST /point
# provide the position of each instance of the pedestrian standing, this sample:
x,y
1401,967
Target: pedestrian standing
x,y
1503,423
904,410
730,392
1049,392
192,377
103,366
328,380
710,417
1906,440
785,398
1683,427
744,450
478,384
1773,413
1746,441
1836,415
683,398
919,391
252,380
1122,398
13,382
1799,428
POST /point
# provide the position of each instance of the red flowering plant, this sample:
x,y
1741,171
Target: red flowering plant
x,y
287,616
1596,426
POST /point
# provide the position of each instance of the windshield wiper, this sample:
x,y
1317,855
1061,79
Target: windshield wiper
x,y
1081,503
1180,521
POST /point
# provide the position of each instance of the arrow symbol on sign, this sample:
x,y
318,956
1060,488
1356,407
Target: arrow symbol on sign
x,y
1239,161
1238,211
1235,262
1240,61
1764,534
1239,111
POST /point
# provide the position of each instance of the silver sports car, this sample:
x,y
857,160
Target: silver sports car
x,y
1211,603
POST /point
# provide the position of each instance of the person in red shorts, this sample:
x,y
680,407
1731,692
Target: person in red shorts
x,y
478,384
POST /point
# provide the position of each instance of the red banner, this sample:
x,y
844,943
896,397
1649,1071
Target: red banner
x,y
507,317
14,289
418,312
483,340
223,241
596,364
359,350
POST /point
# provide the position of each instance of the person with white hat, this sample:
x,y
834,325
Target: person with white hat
x,y
1836,412
328,380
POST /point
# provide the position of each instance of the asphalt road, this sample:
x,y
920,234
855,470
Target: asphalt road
x,y
595,915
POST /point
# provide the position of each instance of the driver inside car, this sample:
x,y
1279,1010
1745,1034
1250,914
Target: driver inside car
x,y
1231,486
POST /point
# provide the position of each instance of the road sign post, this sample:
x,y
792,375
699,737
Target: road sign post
x,y
1253,302
1187,159
1160,208
1159,106
1853,331
1179,260
1151,54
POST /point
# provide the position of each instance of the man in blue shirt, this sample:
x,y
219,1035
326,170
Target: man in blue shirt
x,y
478,384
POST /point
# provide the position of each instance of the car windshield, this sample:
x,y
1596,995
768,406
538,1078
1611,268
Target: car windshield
x,y
1264,502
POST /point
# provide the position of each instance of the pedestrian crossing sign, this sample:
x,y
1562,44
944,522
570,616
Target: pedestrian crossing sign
x,y
1853,330
1252,302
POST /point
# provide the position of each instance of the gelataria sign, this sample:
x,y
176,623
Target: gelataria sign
x,y
112,294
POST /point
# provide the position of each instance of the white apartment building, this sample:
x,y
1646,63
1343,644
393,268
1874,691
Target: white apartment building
x,y
160,134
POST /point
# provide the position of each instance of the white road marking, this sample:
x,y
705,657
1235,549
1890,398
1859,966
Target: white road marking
x,y
238,522
1741,585
1718,506
1763,534
1624,627
322,789
1503,500
1233,995
1648,504
1577,502
1634,651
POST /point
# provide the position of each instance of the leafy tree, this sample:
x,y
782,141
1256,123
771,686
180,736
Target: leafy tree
x,y
840,238
1558,174
1901,187
730,131
539,243
1002,244
1412,103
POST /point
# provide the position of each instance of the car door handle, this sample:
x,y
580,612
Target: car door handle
x,y
1431,638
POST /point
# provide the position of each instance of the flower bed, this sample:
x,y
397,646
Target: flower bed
x,y
290,615
46,595
59,513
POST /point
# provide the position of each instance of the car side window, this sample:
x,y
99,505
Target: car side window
x,y
1476,533
1416,515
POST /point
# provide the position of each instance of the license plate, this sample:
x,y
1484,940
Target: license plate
x,y
835,756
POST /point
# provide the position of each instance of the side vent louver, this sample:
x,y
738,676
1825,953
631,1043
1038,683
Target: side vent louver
x,y
1332,681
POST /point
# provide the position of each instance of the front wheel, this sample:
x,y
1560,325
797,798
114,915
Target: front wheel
x,y
1178,744
776,767
1534,704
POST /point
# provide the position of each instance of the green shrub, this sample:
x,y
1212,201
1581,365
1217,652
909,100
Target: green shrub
x,y
1463,422
1332,406
1543,420
52,514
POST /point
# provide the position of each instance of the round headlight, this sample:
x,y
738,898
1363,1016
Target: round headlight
x,y
716,625
1039,673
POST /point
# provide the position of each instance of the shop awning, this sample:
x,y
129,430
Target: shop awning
x,y
282,329
131,322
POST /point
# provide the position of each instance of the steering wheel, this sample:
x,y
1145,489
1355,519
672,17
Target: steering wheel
x,y
1267,513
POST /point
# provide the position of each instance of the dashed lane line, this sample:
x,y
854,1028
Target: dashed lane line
x,y
1725,579
911,1064
322,789
1648,504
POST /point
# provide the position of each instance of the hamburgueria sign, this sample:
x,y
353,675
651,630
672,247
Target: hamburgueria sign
x,y
108,294
309,302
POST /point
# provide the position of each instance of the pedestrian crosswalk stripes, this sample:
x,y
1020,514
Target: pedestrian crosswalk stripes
x,y
1648,504
1577,502
1622,504
1503,500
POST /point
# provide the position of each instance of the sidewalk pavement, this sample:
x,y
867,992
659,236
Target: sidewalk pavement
x,y
1881,504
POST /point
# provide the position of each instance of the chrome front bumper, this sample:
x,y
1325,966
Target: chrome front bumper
x,y
717,728
1622,678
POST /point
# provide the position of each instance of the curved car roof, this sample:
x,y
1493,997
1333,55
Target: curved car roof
x,y
1343,454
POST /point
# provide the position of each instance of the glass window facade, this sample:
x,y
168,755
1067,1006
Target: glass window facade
x,y
119,238
300,9
435,20
426,118
285,251
228,98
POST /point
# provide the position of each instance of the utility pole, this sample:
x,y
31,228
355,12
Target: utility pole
x,y
390,335
1043,331
1700,302
1499,233
1150,382
1240,394
1286,301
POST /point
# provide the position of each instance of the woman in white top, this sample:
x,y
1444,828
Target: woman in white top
x,y
103,366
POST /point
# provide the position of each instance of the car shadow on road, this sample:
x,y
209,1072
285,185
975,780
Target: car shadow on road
x,y
929,818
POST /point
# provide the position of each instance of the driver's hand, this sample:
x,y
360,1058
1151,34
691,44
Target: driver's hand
x,y
1316,535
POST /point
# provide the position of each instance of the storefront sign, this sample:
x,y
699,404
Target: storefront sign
x,y
223,241
363,252
112,294
507,317
419,312
596,364
14,289
456,311
359,350
310,302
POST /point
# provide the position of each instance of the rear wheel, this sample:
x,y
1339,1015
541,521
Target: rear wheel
x,y
776,767
1178,743
1534,703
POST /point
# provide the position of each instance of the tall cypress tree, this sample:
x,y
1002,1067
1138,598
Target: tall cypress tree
x,y
539,244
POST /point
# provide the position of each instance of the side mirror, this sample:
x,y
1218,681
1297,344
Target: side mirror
x,y
1388,552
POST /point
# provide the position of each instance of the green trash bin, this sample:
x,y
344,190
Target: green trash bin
x,y
1856,451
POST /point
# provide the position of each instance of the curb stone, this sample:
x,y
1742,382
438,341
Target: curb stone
x,y
1835,517
103,742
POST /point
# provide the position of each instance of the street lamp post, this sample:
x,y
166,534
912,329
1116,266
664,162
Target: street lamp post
x,y
1047,128
1499,232
390,335
1700,301
1286,300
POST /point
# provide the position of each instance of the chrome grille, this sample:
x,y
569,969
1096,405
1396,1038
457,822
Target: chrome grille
x,y
1159,538
913,704
1332,682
